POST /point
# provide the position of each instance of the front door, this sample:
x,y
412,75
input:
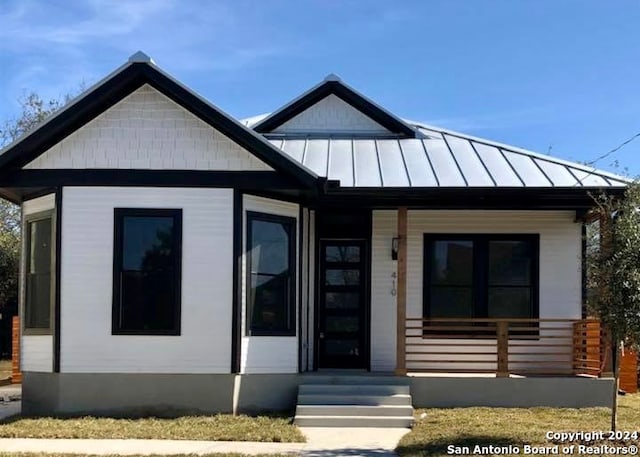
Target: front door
x,y
342,316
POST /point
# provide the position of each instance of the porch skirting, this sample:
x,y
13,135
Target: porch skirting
x,y
450,391
168,395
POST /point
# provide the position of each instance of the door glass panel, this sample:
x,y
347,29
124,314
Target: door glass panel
x,y
342,347
342,300
342,277
349,254
342,324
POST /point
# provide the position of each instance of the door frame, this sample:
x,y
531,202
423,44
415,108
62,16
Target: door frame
x,y
366,278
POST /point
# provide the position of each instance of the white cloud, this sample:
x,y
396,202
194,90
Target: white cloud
x,y
52,48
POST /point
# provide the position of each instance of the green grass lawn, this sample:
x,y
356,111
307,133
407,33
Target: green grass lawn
x,y
221,427
504,426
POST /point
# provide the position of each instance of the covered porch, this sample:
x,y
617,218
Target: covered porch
x,y
545,345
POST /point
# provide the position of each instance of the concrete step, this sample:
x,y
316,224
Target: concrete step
x,y
348,399
354,410
342,389
353,421
357,380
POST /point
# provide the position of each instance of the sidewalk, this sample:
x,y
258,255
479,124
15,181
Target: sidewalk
x,y
321,442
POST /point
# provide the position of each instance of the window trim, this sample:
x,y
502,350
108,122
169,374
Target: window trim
x,y
118,217
481,288
27,219
292,305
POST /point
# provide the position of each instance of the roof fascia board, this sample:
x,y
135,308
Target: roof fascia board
x,y
152,178
346,94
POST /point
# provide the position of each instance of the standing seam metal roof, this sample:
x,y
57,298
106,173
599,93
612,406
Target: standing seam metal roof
x,y
441,158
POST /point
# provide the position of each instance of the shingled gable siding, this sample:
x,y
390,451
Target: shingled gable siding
x,y
331,114
268,354
37,350
204,343
147,130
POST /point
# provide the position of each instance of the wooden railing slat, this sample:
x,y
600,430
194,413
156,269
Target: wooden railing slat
x,y
553,346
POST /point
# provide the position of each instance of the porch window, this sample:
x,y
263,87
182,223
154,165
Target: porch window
x,y
481,276
147,271
38,271
271,260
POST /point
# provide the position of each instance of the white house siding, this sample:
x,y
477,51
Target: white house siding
x,y
383,288
331,114
147,130
268,354
37,205
36,350
204,344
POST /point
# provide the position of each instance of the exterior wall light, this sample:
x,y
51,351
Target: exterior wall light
x,y
394,248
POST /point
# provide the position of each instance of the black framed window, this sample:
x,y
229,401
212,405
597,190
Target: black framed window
x,y
481,276
38,291
271,279
147,271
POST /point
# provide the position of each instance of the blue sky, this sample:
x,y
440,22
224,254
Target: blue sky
x,y
558,76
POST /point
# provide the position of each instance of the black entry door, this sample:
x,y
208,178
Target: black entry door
x,y
342,278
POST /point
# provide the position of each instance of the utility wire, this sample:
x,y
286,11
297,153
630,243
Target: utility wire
x,y
617,148
604,156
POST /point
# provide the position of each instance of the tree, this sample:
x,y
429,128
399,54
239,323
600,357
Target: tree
x,y
614,275
34,111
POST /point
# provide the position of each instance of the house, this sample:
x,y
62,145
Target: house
x,y
176,259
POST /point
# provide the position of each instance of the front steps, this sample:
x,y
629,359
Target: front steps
x,y
354,401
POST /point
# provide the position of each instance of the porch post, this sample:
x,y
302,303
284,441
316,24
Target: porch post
x,y
401,297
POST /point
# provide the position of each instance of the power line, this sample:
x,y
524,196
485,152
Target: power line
x,y
604,156
617,148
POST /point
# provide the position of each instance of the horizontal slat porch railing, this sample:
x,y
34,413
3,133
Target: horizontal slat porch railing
x,y
504,347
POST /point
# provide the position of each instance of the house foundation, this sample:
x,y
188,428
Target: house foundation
x,y
170,395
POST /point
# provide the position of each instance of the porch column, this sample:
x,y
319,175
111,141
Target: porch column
x,y
401,297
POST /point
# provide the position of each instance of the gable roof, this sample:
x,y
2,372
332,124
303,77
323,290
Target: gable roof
x,y
439,158
140,70
332,85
